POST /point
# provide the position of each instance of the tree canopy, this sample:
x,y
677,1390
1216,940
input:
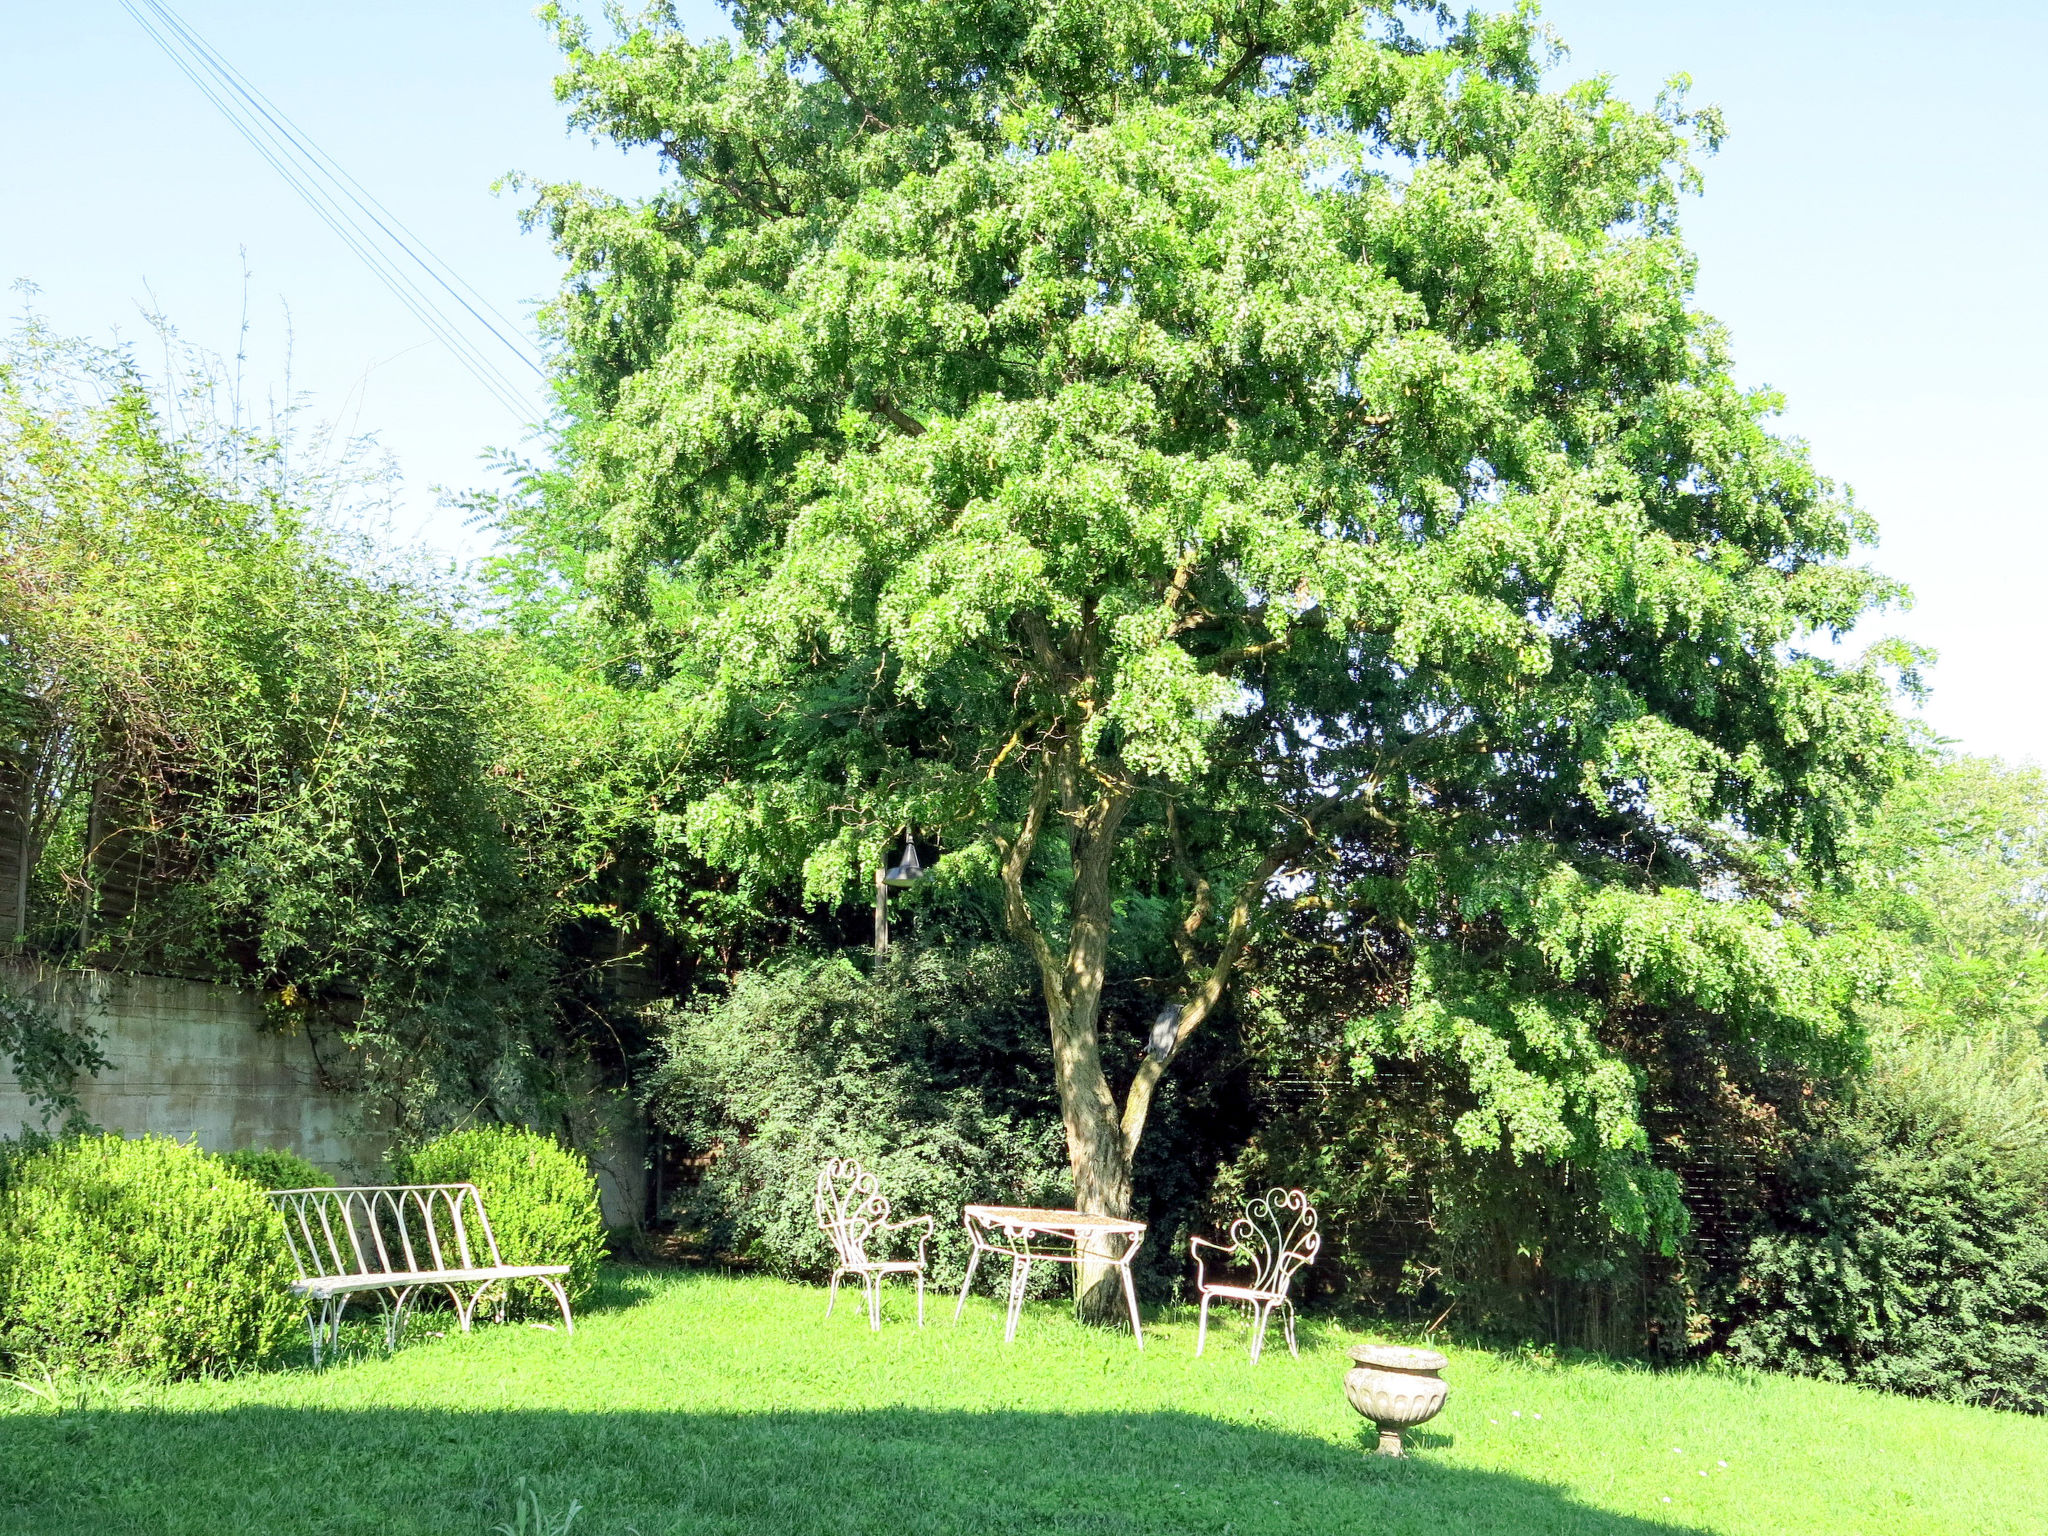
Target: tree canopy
x,y
1200,466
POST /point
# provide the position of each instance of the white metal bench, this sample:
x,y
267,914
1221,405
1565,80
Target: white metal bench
x,y
393,1241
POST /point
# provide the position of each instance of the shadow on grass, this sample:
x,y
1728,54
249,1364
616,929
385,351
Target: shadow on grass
x,y
281,1471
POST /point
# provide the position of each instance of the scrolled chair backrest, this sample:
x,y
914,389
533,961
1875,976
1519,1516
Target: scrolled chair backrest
x,y
1277,1235
849,1206
386,1229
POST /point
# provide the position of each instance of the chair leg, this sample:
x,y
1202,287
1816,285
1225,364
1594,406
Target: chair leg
x,y
832,1296
874,1285
973,1260
1260,1311
920,1298
1293,1348
1202,1329
1020,1273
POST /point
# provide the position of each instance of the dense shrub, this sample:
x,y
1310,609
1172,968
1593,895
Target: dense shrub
x,y
934,1072
541,1199
1911,1249
275,1168
142,1255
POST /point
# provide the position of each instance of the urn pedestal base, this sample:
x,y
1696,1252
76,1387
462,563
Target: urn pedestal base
x,y
1397,1388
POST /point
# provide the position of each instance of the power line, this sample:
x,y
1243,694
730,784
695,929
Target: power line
x,y
445,275
287,152
370,230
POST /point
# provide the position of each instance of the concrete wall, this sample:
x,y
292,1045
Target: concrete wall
x,y
193,1060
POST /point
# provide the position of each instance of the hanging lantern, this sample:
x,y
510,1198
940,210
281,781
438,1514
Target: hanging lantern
x,y
906,870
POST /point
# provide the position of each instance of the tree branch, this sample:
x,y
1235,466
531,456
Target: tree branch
x,y
885,409
854,98
1016,858
1237,931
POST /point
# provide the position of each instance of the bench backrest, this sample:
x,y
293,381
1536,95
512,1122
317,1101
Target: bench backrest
x,y
386,1229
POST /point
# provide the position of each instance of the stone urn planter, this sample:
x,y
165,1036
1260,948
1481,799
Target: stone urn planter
x,y
1397,1388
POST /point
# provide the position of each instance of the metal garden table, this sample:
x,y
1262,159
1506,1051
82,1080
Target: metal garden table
x,y
1021,1233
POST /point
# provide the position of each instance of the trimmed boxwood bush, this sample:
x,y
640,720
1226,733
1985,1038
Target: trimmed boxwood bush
x,y
540,1196
269,1168
144,1255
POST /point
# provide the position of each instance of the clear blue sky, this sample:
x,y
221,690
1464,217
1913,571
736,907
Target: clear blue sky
x,y
1873,233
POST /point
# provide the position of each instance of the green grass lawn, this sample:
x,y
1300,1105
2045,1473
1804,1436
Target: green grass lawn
x,y
691,1402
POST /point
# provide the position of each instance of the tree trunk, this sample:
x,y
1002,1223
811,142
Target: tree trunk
x,y
1096,1153
1102,1140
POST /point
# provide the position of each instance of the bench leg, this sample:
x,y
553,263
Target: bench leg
x,y
562,1301
920,1298
1202,1328
394,1322
324,1324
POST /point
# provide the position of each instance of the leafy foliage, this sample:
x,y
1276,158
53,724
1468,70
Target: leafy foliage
x,y
253,753
1953,879
540,1196
275,1168
48,1056
932,1071
143,1255
1912,1248
1186,460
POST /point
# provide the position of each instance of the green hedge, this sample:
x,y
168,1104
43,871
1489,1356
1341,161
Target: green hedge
x,y
933,1070
274,1168
144,1255
1911,1250
541,1199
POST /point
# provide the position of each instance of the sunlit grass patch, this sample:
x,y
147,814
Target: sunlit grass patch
x,y
691,1402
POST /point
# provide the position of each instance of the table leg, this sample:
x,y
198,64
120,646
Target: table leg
x,y
1131,1296
973,1259
1020,1273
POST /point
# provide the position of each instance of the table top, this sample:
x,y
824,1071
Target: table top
x,y
1036,1219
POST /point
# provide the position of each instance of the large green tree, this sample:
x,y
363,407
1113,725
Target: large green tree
x,y
1180,458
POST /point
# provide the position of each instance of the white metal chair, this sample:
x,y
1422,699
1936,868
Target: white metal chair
x,y
851,1210
1277,1237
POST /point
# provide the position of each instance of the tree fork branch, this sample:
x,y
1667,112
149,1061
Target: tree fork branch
x,y
885,409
